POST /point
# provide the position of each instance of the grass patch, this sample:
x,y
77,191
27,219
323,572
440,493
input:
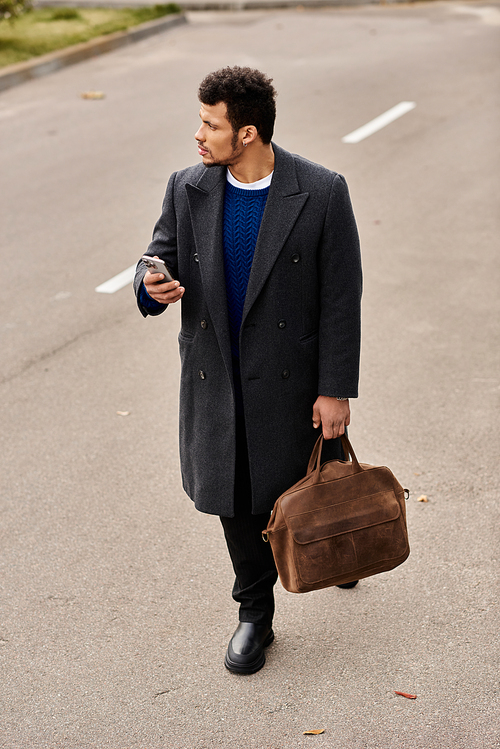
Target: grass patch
x,y
47,29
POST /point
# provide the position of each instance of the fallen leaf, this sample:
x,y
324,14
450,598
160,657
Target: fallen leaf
x,y
123,413
93,95
314,732
408,696
422,498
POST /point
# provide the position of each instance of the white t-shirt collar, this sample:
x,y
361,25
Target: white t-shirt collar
x,y
261,184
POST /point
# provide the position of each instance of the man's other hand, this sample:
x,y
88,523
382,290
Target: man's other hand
x,y
333,415
165,293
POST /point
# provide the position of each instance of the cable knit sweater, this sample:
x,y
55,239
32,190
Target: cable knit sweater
x,y
243,211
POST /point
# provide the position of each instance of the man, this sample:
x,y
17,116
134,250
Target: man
x,y
264,251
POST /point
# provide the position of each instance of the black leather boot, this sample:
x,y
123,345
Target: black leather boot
x,y
245,652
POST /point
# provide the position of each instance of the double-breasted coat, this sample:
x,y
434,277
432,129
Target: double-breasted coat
x,y
300,332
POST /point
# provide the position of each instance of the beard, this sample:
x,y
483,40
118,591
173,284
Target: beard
x,y
230,159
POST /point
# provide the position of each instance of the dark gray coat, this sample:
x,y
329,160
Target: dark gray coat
x,y
300,334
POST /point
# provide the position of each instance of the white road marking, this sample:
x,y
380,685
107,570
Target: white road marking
x,y
490,16
117,282
379,122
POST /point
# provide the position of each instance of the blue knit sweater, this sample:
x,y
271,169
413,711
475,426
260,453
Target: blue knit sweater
x,y
243,211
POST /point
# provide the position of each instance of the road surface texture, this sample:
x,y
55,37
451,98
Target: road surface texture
x,y
115,592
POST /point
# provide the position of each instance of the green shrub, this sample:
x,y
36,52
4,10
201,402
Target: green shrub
x,y
64,14
164,10
150,13
10,9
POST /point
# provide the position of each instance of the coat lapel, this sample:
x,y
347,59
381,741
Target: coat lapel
x,y
206,206
283,207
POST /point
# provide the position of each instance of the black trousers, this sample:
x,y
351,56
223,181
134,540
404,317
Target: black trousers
x,y
252,558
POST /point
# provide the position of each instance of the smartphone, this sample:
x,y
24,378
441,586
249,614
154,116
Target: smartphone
x,y
157,266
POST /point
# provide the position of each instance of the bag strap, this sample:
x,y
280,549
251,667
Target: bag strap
x,y
356,468
315,459
314,455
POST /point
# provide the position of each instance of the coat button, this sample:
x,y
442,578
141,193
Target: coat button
x,y
196,258
285,374
204,324
295,258
202,375
282,324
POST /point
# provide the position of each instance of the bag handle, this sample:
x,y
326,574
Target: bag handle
x,y
315,459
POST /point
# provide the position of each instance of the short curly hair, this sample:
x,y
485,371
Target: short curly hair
x,y
248,95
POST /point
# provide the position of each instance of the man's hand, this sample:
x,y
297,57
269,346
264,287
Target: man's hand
x,y
332,414
165,293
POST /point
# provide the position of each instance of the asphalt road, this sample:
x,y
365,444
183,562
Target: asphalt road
x,y
115,593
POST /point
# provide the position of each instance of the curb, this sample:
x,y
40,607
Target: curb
x,y
13,75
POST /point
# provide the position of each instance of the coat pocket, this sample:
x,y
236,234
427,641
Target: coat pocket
x,y
185,336
309,337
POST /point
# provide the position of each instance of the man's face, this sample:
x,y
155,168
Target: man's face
x,y
217,142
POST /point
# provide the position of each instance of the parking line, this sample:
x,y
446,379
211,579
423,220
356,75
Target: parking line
x,y
117,282
379,122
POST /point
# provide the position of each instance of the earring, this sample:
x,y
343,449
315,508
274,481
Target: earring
x,y
244,144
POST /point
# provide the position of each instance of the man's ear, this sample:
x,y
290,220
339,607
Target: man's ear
x,y
248,134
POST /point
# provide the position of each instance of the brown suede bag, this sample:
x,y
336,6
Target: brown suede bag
x,y
343,521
